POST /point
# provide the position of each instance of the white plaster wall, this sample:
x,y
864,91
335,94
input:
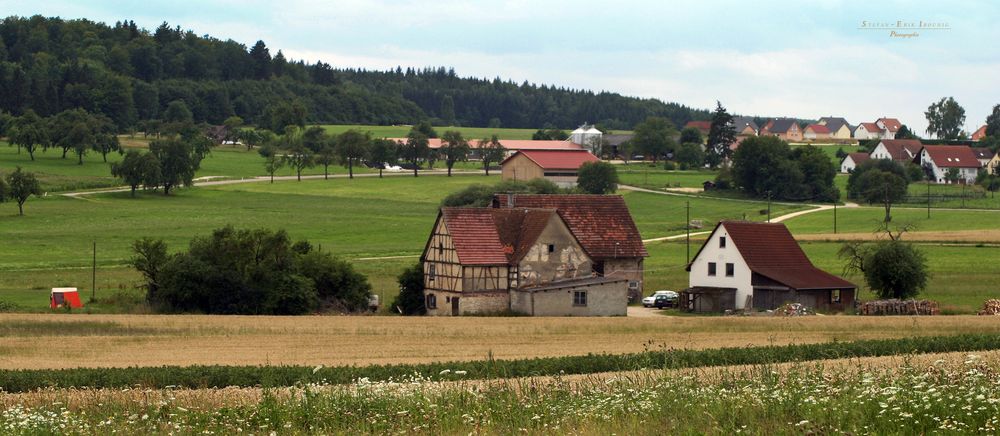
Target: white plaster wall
x,y
721,256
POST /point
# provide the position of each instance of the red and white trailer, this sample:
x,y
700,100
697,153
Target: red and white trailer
x,y
63,297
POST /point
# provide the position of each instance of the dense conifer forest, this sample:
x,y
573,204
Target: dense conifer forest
x,y
130,74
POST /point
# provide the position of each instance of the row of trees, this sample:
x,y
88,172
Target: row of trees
x,y
657,138
130,74
73,130
251,272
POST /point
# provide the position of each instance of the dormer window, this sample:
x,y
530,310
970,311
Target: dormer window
x,y
722,242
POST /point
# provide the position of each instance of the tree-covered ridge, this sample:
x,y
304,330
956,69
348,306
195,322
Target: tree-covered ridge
x,y
129,74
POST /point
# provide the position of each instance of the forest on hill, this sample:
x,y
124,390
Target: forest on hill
x,y
131,74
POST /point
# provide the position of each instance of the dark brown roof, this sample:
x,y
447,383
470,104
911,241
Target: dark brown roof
x,y
859,157
780,125
902,149
982,153
952,156
770,250
601,223
519,229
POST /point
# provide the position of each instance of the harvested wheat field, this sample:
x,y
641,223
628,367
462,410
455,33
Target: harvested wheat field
x,y
66,341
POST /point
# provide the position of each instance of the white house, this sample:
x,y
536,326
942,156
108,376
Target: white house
x,y
852,161
889,127
899,150
759,265
867,131
939,159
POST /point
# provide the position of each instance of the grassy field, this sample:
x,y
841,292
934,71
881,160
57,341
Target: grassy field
x,y
867,219
654,177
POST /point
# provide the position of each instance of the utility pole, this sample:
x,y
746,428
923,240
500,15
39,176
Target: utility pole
x,y
768,206
687,226
835,217
93,276
928,199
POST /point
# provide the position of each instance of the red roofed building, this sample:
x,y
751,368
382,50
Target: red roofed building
x,y
851,161
979,134
746,265
511,145
547,258
889,126
559,166
703,126
868,131
940,160
900,150
815,131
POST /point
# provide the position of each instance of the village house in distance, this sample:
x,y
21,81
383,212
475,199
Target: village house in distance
x,y
541,255
559,166
746,265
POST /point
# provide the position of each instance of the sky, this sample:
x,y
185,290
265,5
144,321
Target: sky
x,y
805,59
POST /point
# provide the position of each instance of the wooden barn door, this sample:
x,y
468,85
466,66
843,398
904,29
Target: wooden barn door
x,y
454,306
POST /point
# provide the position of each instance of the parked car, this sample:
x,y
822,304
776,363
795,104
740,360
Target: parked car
x,y
665,300
648,301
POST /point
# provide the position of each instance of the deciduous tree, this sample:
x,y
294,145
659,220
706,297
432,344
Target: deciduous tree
x,y
454,148
414,149
29,131
945,119
384,152
137,169
597,178
490,151
21,185
654,137
352,147
993,122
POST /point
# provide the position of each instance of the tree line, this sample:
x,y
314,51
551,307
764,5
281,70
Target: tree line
x,y
129,74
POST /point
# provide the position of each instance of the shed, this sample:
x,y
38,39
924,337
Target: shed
x,y
61,297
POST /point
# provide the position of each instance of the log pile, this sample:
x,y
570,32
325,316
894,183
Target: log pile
x,y
991,307
899,307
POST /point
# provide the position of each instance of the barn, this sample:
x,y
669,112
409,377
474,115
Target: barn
x,y
748,265
560,166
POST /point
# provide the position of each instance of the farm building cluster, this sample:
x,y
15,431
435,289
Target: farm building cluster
x,y
961,161
543,255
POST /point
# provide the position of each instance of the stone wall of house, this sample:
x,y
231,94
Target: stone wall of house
x,y
630,269
555,256
605,299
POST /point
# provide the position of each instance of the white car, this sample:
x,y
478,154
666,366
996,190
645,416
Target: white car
x,y
648,301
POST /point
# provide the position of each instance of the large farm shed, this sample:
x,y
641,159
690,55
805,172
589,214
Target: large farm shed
x,y
559,166
747,265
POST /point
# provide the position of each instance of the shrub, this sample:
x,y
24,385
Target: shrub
x,y
410,300
479,195
895,269
248,272
597,178
669,166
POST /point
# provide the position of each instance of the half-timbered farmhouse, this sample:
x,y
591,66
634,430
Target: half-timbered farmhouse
x,y
526,260
747,265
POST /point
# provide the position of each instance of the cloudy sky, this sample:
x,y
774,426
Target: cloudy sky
x,y
796,58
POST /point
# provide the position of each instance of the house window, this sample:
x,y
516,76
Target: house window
x,y
431,272
440,248
711,268
552,248
579,298
730,270
835,296
722,242
432,301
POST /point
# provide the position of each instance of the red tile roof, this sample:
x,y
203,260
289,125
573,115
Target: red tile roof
x,y
979,134
520,228
510,144
601,223
704,126
475,235
953,156
872,127
817,128
891,124
902,149
556,159
770,250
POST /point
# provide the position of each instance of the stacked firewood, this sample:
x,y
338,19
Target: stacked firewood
x,y
991,307
899,307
